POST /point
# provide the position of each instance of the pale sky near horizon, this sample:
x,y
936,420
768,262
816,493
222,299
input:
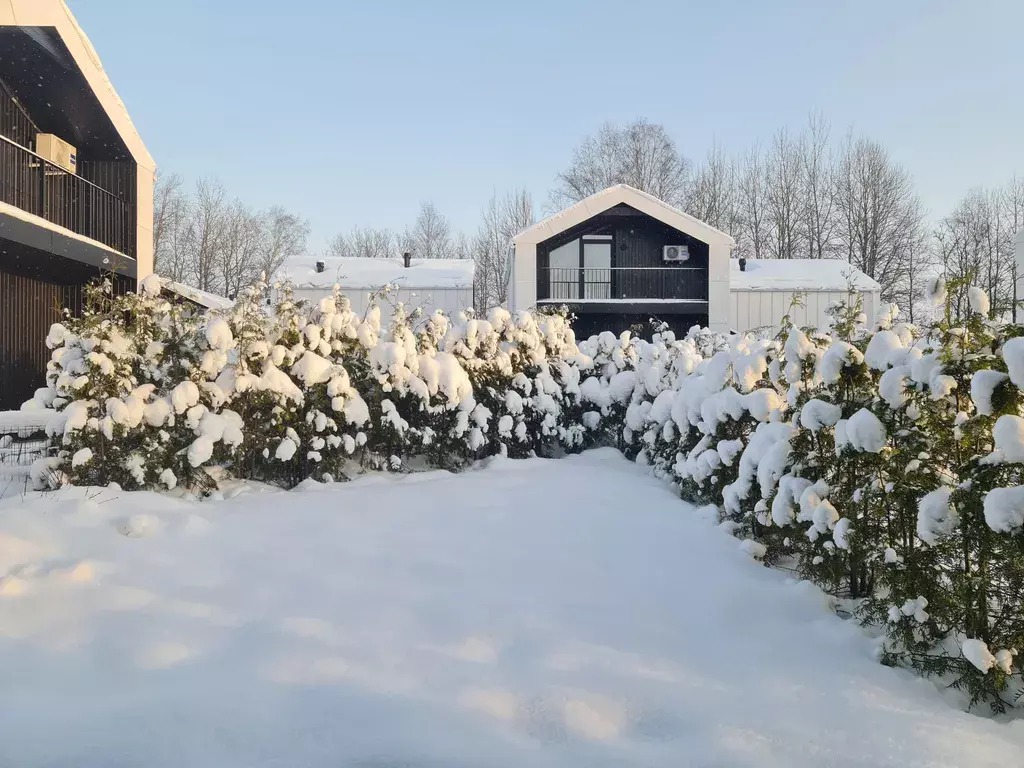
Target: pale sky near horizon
x,y
352,113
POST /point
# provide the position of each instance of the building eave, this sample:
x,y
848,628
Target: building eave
x,y
56,14
622,194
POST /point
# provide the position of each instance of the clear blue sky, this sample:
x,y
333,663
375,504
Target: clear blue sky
x,y
353,112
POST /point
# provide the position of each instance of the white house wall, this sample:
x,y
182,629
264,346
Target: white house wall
x,y
718,287
1019,292
524,288
761,309
449,300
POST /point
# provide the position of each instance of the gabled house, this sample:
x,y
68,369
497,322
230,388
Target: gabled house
x,y
76,185
621,257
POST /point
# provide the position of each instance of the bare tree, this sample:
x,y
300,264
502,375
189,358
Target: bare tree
x,y
1013,205
240,249
217,244
818,193
783,196
751,185
430,237
880,214
364,243
713,195
492,246
461,248
205,231
977,241
284,237
169,209
642,155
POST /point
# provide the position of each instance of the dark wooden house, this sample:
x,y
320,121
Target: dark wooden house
x,y
621,258
76,185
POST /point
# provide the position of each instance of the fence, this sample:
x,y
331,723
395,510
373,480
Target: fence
x,y
22,440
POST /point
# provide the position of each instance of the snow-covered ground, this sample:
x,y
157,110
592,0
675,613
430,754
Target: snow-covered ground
x,y
541,613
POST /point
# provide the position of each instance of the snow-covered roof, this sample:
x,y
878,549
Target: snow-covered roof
x,y
798,275
617,195
203,298
374,273
55,13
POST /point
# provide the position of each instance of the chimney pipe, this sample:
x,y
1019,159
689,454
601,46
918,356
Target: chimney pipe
x,y
407,259
321,266
743,264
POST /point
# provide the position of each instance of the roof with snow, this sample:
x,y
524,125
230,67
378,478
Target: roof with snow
x,y
351,272
56,15
202,298
617,195
798,275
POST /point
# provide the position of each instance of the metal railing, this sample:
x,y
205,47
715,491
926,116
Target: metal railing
x,y
34,184
617,283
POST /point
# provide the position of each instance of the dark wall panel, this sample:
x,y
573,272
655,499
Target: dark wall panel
x,y
35,288
638,270
28,307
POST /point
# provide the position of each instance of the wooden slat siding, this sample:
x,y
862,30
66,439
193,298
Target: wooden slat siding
x,y
637,242
28,307
15,123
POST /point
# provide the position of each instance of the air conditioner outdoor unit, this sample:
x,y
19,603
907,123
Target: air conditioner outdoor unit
x,y
57,151
675,253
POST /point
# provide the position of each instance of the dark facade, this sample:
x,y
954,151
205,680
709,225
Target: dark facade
x,y
609,271
44,266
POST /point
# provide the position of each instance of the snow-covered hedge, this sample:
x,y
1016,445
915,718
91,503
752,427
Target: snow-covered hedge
x,y
150,394
882,462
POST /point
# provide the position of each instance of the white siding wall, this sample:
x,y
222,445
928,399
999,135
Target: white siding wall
x,y
449,300
757,309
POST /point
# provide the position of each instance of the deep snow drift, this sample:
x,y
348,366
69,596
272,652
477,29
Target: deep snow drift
x,y
542,613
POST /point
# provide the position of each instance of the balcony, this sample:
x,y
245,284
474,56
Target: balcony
x,y
605,285
37,186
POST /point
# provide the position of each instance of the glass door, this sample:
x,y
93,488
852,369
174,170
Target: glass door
x,y
596,275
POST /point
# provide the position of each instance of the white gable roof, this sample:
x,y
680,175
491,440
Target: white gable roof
x,y
374,273
798,275
54,13
202,298
609,198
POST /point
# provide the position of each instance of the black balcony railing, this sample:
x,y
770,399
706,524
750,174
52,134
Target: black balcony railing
x,y
618,283
37,186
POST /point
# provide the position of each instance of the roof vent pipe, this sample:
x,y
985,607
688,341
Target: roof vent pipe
x,y
743,264
321,266
407,259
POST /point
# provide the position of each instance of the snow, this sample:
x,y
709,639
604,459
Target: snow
x,y
936,515
546,613
935,291
351,272
23,422
978,299
798,275
838,355
983,384
865,432
1013,354
1008,437
976,652
817,414
202,298
1004,509
882,348
17,213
